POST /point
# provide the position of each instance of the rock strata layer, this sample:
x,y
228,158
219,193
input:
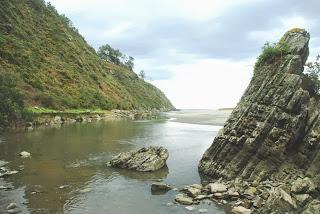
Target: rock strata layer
x,y
146,159
273,134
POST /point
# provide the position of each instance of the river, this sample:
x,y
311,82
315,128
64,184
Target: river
x,y
67,171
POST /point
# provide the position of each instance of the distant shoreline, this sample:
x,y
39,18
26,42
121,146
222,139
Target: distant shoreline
x,y
225,109
200,116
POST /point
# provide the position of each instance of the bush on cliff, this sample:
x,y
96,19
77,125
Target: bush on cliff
x,y
311,79
270,52
11,100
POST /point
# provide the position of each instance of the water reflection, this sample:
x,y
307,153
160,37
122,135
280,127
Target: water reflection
x,y
144,176
67,171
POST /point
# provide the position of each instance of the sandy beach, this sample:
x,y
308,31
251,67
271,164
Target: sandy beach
x,y
201,116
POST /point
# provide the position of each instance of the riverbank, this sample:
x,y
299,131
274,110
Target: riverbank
x,y
42,117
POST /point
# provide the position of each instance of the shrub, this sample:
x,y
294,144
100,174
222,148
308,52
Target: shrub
x,y
270,52
311,77
11,100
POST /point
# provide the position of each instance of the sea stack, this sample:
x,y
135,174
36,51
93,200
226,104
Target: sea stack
x,y
273,133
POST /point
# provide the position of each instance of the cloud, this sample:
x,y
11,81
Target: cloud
x,y
178,41
208,83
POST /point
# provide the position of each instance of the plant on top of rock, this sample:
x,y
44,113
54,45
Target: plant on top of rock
x,y
270,51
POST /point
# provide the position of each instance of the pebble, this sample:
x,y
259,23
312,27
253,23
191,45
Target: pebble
x,y
25,154
63,186
85,190
190,208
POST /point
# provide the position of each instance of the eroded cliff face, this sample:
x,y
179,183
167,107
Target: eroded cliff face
x,y
272,134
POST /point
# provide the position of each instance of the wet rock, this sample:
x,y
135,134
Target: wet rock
x,y
160,187
11,206
304,185
217,187
193,192
312,208
240,210
145,159
25,154
182,199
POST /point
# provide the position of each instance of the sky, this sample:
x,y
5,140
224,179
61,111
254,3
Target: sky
x,y
200,53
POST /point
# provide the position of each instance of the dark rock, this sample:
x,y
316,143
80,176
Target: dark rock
x,y
162,187
145,159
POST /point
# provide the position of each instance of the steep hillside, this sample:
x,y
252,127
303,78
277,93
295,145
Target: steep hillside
x,y
56,68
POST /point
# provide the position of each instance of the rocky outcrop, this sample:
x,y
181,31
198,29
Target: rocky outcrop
x,y
146,159
272,134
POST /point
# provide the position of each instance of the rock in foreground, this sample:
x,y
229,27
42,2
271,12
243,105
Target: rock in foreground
x,y
146,159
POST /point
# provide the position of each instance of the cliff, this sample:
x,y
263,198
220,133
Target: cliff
x,y
56,68
272,134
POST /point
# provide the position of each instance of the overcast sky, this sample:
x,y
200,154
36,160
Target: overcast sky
x,y
200,53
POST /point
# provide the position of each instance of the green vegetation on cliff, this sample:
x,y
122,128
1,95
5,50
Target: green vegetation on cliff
x,y
56,68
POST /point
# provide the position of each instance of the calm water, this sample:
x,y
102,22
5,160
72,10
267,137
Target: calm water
x,y
74,156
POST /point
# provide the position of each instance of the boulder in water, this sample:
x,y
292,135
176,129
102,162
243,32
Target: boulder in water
x,y
146,159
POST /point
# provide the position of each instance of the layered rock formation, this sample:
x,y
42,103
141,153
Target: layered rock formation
x,y
146,159
272,134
